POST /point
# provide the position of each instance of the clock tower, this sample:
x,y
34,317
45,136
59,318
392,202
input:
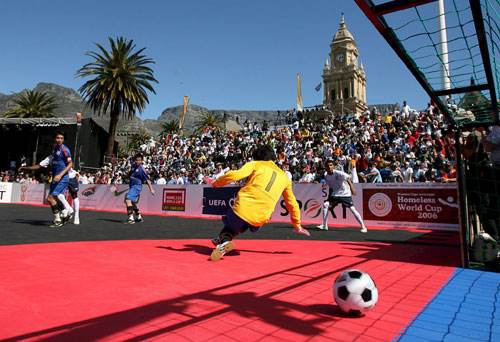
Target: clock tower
x,y
344,78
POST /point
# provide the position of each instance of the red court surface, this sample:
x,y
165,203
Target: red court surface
x,y
168,290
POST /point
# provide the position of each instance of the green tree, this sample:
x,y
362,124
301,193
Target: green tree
x,y
208,120
169,127
120,79
32,104
137,139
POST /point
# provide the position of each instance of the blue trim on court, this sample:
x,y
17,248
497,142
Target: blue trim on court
x,y
466,309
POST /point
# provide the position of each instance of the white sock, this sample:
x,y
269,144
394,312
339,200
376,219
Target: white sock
x,y
76,204
131,217
57,217
357,215
326,207
62,198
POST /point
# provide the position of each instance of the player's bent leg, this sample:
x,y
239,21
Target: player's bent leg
x,y
76,207
325,208
55,210
221,249
358,218
233,226
137,214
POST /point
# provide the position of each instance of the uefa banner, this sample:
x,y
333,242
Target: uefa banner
x,y
411,205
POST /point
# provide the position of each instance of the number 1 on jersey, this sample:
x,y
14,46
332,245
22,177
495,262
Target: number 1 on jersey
x,y
271,181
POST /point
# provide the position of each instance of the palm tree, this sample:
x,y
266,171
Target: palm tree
x,y
208,120
139,138
120,79
33,104
171,126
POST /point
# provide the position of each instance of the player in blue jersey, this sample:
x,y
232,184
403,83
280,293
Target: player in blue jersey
x,y
137,176
61,163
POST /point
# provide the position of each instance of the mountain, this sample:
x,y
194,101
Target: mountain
x,y
69,102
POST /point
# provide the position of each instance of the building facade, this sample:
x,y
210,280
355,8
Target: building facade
x,y
344,78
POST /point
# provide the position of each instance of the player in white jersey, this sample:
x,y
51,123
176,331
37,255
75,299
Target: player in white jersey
x,y
340,191
67,211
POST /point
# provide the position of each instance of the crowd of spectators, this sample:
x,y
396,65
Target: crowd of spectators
x,y
404,146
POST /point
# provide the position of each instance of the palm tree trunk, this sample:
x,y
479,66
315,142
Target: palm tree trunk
x,y
112,132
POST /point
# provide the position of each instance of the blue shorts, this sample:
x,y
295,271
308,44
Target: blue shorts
x,y
236,224
73,186
60,187
134,193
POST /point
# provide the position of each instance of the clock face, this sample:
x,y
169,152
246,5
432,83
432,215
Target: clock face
x,y
340,57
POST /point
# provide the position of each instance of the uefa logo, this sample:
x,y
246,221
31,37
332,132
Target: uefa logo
x,y
380,204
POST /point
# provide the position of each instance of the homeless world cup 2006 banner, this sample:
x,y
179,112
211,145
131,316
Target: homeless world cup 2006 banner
x,y
419,205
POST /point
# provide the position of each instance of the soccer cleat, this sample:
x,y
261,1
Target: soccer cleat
x,y
363,230
215,241
130,221
221,249
76,221
139,219
56,224
66,215
322,227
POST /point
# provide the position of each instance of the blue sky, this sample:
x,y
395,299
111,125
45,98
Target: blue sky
x,y
229,54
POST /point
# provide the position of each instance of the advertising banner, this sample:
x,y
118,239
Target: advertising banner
x,y
217,200
174,200
310,198
418,205
400,205
5,192
29,193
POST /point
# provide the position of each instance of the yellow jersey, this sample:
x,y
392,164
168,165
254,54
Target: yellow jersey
x,y
256,200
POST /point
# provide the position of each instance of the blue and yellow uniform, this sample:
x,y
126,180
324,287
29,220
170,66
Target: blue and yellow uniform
x,y
60,158
256,200
137,177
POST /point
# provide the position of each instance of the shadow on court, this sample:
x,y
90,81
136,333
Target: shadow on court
x,y
42,223
206,250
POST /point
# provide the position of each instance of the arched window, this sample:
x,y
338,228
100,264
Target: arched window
x,y
332,94
346,93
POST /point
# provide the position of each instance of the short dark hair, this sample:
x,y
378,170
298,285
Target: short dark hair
x,y
264,152
60,133
139,155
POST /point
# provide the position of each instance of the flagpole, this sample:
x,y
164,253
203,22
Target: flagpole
x,y
299,94
445,68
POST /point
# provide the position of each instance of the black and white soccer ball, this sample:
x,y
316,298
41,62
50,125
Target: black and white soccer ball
x,y
355,292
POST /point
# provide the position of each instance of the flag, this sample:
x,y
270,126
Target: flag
x,y
184,111
299,94
318,87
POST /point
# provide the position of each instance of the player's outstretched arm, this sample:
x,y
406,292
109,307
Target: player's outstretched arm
x,y
351,185
233,176
151,189
29,168
294,210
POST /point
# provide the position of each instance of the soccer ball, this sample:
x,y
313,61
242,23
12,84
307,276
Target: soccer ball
x,y
355,292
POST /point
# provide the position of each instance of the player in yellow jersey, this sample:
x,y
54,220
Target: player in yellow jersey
x,y
256,200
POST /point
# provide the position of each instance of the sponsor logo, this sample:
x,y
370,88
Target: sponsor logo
x,y
114,190
311,208
449,202
380,204
24,188
89,191
174,200
421,205
216,201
